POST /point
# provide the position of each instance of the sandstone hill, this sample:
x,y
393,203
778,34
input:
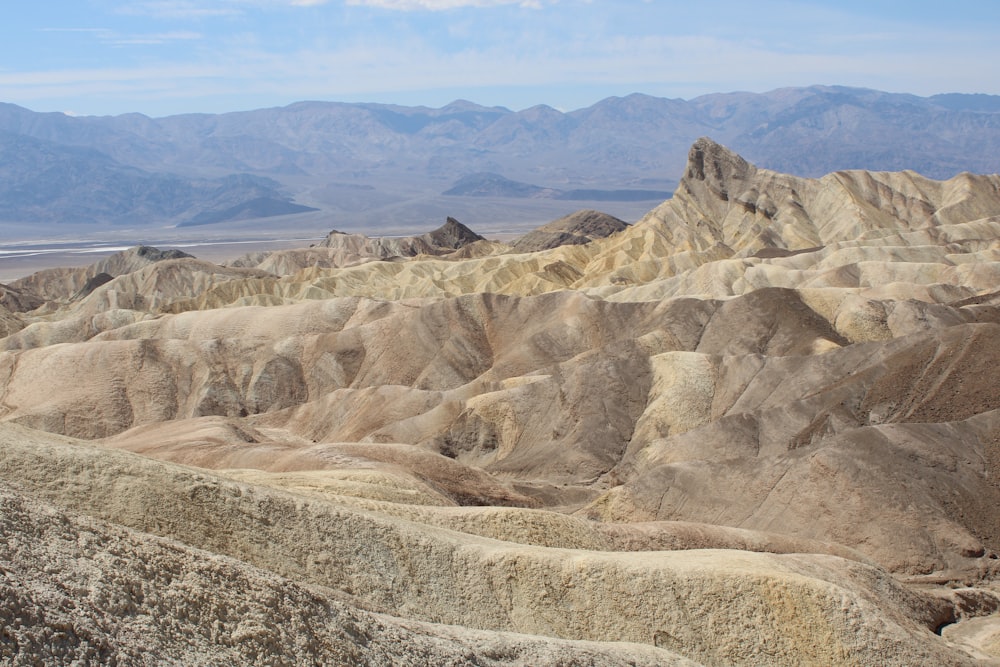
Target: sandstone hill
x,y
63,284
761,425
339,249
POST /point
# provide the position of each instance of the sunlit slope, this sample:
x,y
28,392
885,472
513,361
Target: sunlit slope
x,y
695,604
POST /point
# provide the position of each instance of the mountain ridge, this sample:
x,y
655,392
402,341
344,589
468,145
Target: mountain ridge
x,y
619,143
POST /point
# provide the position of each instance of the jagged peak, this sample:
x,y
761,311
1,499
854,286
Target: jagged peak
x,y
134,259
714,163
155,254
577,228
452,234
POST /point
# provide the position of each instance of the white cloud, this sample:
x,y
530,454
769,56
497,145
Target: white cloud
x,y
113,38
43,80
177,9
83,30
197,9
439,5
154,38
275,54
363,68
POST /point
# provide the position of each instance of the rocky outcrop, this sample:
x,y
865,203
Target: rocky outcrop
x,y
9,322
17,300
64,284
339,249
576,228
452,235
730,228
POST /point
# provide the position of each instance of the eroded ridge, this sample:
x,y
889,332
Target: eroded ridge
x,y
758,426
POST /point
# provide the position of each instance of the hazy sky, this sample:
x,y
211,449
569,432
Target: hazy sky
x,y
162,57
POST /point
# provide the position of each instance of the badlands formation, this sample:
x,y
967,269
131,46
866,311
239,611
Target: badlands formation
x,y
759,426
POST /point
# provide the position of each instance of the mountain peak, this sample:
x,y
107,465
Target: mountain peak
x,y
460,105
714,166
577,228
709,160
452,234
151,254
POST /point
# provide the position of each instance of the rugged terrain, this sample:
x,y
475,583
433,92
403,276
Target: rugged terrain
x,y
759,426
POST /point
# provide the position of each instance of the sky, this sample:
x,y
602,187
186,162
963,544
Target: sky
x,y
163,57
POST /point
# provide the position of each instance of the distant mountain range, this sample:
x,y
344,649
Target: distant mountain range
x,y
367,164
44,181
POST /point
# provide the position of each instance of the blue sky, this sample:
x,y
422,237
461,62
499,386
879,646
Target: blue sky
x,y
161,57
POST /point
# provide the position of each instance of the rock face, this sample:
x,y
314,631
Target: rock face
x,y
452,234
760,426
339,249
9,322
574,229
62,284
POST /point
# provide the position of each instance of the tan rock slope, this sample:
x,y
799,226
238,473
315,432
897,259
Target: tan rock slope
x,y
81,591
339,249
759,426
695,603
62,284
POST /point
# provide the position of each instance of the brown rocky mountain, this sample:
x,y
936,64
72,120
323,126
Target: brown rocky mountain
x,y
759,426
339,249
574,229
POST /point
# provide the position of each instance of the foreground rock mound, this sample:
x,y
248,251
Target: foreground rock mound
x,y
759,426
692,603
78,590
